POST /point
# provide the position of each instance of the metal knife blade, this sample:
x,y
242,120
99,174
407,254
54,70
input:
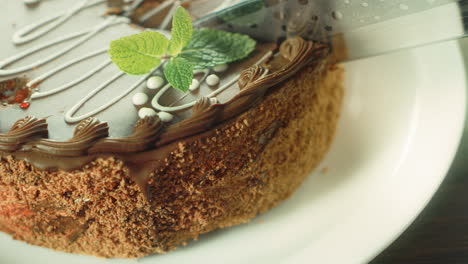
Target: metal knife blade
x,y
357,29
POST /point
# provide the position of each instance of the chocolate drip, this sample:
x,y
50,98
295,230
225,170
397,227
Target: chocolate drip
x,y
22,131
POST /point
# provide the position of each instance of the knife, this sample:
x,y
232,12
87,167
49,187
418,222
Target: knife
x,y
357,29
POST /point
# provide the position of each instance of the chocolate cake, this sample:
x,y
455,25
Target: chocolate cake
x,y
98,162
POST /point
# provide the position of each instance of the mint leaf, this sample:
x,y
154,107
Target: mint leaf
x,y
210,47
181,31
179,73
187,50
139,53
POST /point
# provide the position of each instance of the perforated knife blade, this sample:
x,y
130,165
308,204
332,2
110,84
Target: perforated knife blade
x,y
357,29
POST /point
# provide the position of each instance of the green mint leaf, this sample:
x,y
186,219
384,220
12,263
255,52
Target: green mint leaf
x,y
181,31
210,47
179,73
139,53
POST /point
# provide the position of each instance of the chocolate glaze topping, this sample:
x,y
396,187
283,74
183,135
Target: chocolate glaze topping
x,y
150,143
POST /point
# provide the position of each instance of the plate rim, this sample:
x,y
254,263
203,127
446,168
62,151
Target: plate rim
x,y
302,255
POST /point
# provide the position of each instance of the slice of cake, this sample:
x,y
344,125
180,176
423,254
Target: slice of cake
x,y
96,161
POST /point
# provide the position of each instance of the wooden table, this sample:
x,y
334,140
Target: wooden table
x,y
440,234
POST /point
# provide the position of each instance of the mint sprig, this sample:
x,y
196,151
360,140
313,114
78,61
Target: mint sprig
x,y
187,50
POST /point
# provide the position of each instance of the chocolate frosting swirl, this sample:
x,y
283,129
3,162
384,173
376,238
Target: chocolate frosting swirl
x,y
201,105
251,75
145,133
86,134
21,132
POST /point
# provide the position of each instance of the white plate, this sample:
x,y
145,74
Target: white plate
x,y
402,121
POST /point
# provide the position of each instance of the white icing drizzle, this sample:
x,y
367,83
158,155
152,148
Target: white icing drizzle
x,y
205,74
111,20
155,11
70,84
47,24
169,15
42,27
134,4
202,79
155,102
72,119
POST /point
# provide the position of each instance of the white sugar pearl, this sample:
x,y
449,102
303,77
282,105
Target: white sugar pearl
x,y
31,2
195,84
146,111
220,68
154,82
140,99
165,117
212,80
213,100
